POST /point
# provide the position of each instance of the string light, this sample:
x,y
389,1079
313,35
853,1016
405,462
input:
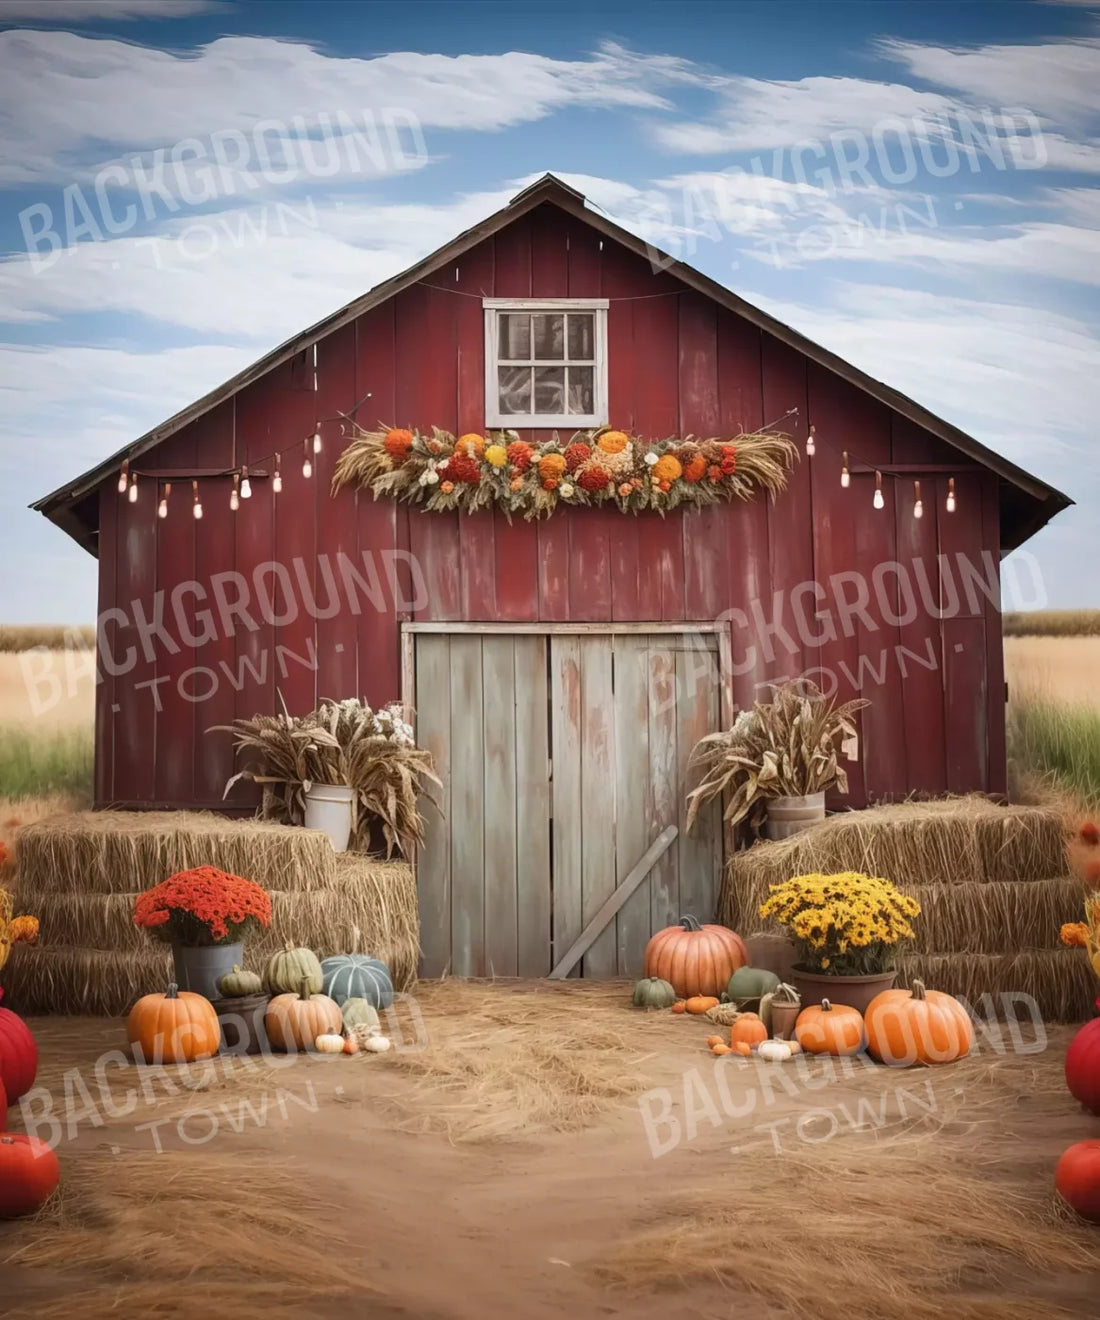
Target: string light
x,y
307,466
918,507
124,476
162,507
277,480
951,495
317,438
246,485
132,496
196,506
811,448
880,499
845,475
235,493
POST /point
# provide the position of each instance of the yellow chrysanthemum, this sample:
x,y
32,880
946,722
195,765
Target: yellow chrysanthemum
x,y
497,455
667,468
613,442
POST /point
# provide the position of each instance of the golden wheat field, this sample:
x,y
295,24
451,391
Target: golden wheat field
x,y
1063,669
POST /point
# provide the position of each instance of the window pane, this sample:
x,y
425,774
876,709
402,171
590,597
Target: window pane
x,y
582,336
550,390
549,335
515,335
580,389
515,389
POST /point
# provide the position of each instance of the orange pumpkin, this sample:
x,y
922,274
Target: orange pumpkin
x,y
351,1045
917,1026
293,1022
1077,1178
176,1027
700,1003
743,1048
695,959
828,1028
748,1030
715,1040
29,1173
720,1048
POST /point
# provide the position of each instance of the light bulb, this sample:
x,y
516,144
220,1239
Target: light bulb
x,y
123,476
879,501
277,480
246,485
234,501
918,505
162,507
317,439
845,475
132,496
951,495
811,449
307,468
196,506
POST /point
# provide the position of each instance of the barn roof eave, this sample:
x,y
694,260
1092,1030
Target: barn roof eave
x,y
59,505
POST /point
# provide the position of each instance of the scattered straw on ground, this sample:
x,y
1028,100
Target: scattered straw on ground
x,y
184,1234
505,1059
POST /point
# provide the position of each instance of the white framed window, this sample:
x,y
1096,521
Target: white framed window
x,y
546,362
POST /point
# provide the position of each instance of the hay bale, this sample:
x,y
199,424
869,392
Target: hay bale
x,y
45,979
947,842
128,851
1060,981
994,918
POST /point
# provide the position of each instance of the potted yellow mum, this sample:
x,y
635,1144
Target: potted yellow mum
x,y
846,929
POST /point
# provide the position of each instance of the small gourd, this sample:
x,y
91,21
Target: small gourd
x,y
715,1040
742,1048
774,1051
376,1044
748,1030
351,1045
238,983
700,1003
329,1043
720,1049
652,992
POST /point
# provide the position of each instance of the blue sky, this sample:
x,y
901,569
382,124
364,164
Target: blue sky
x,y
957,257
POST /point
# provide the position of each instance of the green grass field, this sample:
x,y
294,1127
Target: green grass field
x,y
37,762
1057,742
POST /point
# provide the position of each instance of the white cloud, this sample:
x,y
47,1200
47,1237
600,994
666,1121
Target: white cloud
x,y
83,11
62,96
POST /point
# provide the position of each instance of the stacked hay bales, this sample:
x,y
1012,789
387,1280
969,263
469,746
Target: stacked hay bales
x,y
991,881
81,874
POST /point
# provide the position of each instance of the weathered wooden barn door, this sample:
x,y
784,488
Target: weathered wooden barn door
x,y
563,756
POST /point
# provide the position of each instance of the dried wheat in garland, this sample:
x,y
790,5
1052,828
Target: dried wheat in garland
x,y
603,466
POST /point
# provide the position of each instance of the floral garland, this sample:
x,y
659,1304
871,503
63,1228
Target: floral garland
x,y
593,467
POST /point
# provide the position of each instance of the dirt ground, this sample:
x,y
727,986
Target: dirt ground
x,y
1063,669
499,1163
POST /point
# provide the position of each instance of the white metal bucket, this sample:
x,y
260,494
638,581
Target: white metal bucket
x,y
789,815
328,808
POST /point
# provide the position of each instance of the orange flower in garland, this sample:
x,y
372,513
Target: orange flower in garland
x,y
550,469
695,469
613,442
398,443
446,487
714,472
577,454
729,460
520,454
594,478
462,467
202,906
667,468
1075,935
471,444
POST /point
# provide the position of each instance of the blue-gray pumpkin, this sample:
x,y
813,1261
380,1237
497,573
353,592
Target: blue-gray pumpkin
x,y
355,976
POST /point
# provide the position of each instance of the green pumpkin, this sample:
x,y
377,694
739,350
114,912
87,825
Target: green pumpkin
x,y
355,976
652,992
288,968
748,985
358,1013
237,984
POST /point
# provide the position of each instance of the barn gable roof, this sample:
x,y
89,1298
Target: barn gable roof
x,y
1027,503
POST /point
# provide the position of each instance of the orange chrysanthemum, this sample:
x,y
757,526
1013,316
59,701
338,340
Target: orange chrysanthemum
x,y
1075,935
398,443
577,454
551,466
549,483
667,468
613,442
594,478
520,454
471,444
695,469
463,467
664,485
23,930
203,905
446,487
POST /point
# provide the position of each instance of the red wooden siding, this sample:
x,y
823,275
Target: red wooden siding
x,y
678,364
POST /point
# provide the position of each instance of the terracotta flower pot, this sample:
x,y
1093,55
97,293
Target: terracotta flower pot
x,y
851,991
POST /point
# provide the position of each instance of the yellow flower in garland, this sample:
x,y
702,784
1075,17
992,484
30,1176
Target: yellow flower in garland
x,y
613,442
496,455
667,468
471,444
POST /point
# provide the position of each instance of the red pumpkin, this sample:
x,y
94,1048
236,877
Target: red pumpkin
x,y
18,1055
28,1174
3,1108
695,959
1077,1178
1083,1066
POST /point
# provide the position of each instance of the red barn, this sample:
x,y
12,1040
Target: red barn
x,y
561,669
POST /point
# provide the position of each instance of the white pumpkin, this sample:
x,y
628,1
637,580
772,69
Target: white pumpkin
x,y
774,1051
376,1044
329,1043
